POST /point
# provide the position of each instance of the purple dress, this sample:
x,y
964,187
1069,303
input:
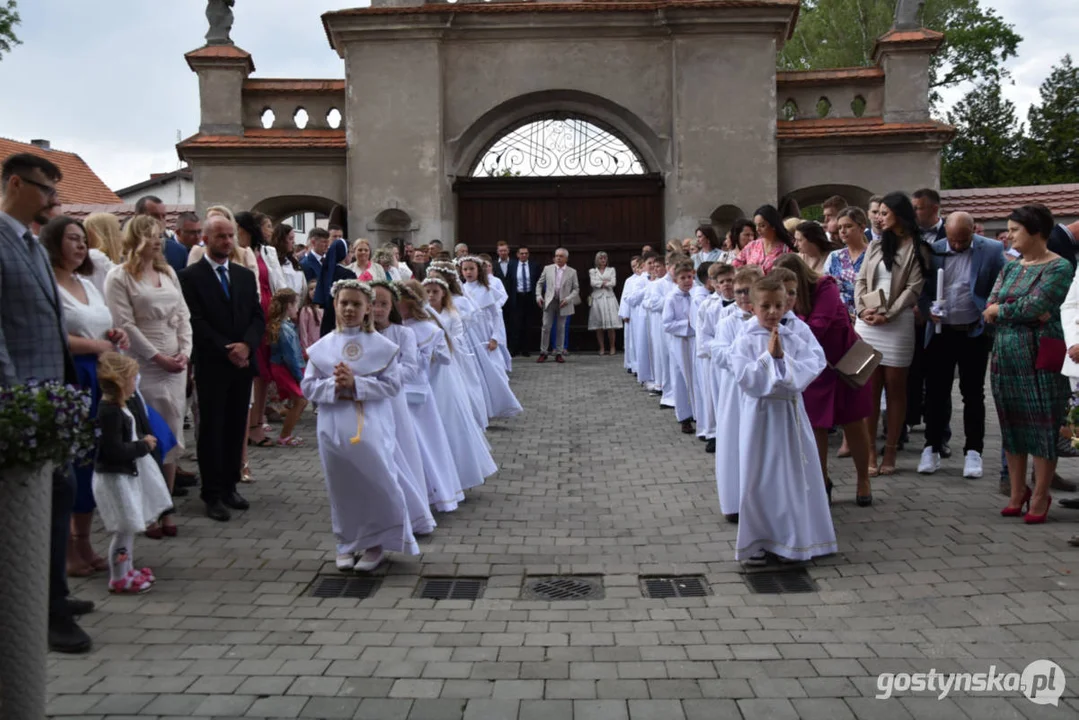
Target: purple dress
x,y
828,400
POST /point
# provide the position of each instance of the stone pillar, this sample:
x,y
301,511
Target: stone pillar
x,y
904,56
222,70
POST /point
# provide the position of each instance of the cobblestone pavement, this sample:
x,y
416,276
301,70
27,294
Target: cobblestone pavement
x,y
595,480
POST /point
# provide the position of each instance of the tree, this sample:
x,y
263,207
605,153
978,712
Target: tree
x,y
9,18
1054,126
987,148
841,33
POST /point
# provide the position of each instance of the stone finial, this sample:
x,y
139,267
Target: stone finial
x,y
907,14
219,13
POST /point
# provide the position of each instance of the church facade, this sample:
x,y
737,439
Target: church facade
x,y
582,123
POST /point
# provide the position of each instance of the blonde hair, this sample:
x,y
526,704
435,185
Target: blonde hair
x,y
367,324
137,233
791,223
278,313
222,211
413,294
434,278
104,233
356,244
114,372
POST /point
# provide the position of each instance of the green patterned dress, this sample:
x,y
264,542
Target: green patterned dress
x,y
1031,404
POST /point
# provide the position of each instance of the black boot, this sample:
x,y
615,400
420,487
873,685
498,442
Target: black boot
x,y
65,636
711,446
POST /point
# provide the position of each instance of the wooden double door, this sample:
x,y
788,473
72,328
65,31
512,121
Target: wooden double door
x,y
616,214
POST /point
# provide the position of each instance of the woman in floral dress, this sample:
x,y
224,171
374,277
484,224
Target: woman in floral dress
x,y
774,241
843,264
1031,403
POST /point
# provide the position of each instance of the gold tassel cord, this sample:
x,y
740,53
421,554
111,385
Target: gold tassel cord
x,y
359,424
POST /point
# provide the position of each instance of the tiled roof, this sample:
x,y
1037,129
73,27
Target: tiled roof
x,y
904,36
80,184
123,212
272,138
508,6
996,203
854,127
157,179
820,77
220,52
270,85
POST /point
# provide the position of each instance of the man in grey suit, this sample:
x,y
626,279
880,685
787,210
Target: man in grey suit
x,y
33,344
557,291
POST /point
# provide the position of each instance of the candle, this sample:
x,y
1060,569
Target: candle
x,y
940,292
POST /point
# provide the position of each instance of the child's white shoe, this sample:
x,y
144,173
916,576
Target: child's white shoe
x,y
345,563
370,560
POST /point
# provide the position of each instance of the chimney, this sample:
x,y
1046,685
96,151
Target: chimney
x,y
43,144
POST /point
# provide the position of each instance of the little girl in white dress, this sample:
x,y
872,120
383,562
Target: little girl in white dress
x,y
129,488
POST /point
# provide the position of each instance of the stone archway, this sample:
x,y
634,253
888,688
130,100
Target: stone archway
x,y
814,195
391,225
316,211
723,217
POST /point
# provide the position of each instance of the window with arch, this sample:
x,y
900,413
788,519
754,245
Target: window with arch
x,y
558,145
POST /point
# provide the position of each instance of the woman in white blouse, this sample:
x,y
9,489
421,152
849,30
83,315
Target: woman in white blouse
x,y
90,332
146,301
283,241
603,305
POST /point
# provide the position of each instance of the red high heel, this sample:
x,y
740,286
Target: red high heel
x,y
1016,512
1032,519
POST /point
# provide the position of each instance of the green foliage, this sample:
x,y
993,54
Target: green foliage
x,y
987,149
1053,148
841,33
9,18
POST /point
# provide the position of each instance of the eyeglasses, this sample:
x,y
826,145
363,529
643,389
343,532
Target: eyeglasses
x,y
49,190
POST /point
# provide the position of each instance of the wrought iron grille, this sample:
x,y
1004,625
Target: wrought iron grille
x,y
558,146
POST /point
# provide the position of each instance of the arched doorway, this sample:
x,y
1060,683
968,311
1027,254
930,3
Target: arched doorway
x,y
562,179
304,213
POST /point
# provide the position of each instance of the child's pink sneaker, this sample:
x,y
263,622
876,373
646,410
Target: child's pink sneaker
x,y
134,583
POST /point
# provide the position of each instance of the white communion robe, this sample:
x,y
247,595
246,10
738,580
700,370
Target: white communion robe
x,y
471,455
439,470
783,508
698,296
704,327
629,360
357,441
677,309
488,302
638,326
502,403
653,301
408,445
728,406
466,364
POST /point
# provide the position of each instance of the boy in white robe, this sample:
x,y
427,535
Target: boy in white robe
x,y
653,301
701,293
705,322
783,509
638,322
728,396
629,359
353,373
677,310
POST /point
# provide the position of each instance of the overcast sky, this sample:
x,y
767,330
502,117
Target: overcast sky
x,y
107,78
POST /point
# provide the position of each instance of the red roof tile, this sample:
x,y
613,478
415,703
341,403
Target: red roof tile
x,y
821,77
997,203
80,184
587,6
272,138
271,85
904,36
220,52
854,127
123,211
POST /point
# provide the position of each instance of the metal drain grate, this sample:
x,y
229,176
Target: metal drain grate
x,y
686,586
795,580
335,586
564,587
451,588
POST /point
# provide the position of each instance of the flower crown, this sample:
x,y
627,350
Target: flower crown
x,y
444,265
468,258
404,289
385,284
350,284
437,281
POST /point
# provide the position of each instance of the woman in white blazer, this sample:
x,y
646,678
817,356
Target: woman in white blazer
x,y
1069,319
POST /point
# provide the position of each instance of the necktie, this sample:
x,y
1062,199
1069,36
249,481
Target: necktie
x,y
29,238
224,281
522,284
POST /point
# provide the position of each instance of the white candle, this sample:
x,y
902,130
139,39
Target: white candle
x,y
940,292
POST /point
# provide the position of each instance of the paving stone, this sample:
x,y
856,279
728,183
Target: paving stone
x,y
277,707
768,709
600,710
710,709
492,709
570,689
383,709
444,709
221,705
330,708
823,709
655,710
546,710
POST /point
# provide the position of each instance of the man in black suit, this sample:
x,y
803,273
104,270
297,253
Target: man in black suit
x,y
500,269
522,276
1064,241
227,327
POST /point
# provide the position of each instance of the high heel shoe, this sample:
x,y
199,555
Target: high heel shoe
x,y
1017,511
1032,519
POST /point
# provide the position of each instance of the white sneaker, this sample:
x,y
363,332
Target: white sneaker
x,y
345,563
972,467
930,462
370,560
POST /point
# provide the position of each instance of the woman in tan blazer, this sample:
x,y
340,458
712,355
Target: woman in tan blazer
x,y
885,293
